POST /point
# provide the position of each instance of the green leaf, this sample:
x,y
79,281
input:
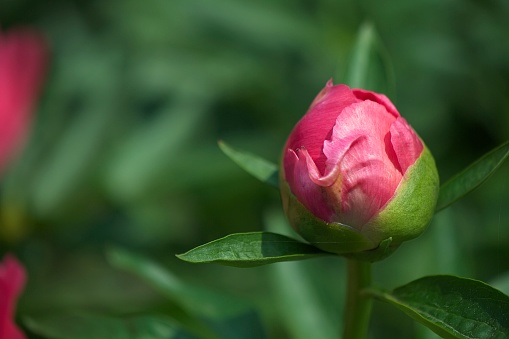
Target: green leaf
x,y
359,63
260,168
472,176
369,66
453,307
85,326
251,249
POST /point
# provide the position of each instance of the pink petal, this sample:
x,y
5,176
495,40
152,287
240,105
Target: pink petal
x,y
23,57
369,177
342,161
391,153
316,126
362,94
312,196
335,150
407,145
12,281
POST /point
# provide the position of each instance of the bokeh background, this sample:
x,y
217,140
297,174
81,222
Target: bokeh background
x,y
123,152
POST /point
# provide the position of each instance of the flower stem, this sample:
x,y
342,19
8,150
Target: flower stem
x,y
357,310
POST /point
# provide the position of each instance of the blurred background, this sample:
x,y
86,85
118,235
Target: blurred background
x,y
122,160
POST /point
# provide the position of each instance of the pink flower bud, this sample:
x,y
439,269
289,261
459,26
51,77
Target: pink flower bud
x,y
12,280
346,162
23,56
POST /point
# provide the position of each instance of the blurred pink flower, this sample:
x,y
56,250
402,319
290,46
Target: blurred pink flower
x,y
346,157
23,57
12,280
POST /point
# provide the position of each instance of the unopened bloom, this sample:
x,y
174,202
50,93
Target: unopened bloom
x,y
12,281
355,174
23,57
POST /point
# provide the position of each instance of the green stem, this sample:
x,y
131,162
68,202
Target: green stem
x,y
357,310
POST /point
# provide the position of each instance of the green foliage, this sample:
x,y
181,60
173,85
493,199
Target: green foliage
x,y
85,326
369,66
251,249
453,307
123,151
450,306
358,70
298,283
202,311
472,176
261,169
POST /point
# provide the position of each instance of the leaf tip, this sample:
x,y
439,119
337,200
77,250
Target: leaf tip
x,y
182,256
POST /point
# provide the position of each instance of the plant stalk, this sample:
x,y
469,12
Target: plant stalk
x,y
358,306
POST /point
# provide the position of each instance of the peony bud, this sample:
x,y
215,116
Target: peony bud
x,y
12,280
23,57
356,179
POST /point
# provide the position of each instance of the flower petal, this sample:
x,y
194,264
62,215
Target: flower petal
x,y
298,165
316,126
23,57
407,145
362,94
369,177
335,150
12,280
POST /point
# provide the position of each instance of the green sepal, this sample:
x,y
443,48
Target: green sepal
x,y
383,250
409,212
